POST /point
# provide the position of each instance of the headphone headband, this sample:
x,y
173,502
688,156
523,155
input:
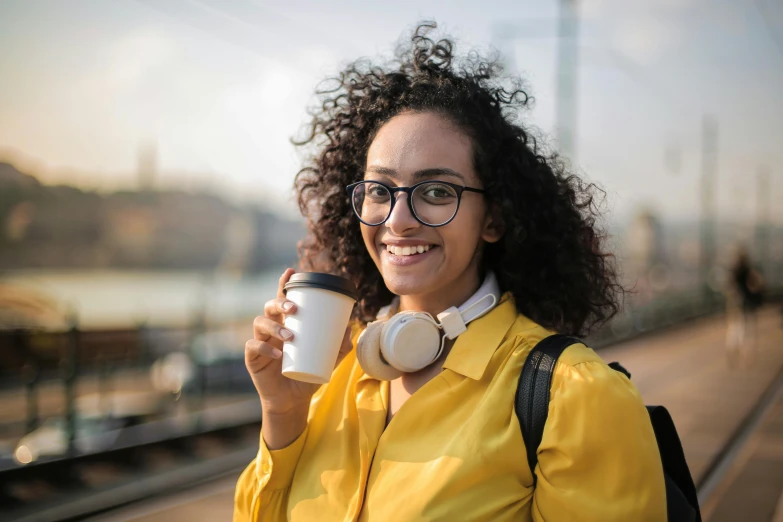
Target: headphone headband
x,y
454,320
489,288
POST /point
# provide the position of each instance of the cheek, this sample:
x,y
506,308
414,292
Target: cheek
x,y
461,237
368,234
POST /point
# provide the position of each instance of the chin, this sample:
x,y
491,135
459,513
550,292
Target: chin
x,y
408,284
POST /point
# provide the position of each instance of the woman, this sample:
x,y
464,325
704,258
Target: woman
x,y
443,443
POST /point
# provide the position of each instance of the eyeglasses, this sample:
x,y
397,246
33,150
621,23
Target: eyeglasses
x,y
433,203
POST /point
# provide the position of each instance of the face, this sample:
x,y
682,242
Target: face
x,y
407,150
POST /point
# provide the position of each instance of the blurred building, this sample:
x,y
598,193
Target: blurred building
x,y
147,166
65,227
644,242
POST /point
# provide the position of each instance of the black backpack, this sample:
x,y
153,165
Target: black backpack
x,y
532,407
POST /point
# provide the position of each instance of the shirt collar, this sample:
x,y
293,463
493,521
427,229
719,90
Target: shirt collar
x,y
474,348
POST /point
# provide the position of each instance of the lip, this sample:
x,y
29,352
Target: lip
x,y
406,260
406,242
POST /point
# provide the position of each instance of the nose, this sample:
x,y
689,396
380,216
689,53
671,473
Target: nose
x,y
401,219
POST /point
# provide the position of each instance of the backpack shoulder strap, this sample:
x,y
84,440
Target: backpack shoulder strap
x,y
681,497
531,403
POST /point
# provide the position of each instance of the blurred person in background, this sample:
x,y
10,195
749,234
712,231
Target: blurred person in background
x,y
744,295
481,201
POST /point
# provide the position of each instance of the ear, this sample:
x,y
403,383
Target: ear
x,y
494,226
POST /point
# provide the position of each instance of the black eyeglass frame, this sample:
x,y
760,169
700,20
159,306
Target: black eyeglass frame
x,y
409,191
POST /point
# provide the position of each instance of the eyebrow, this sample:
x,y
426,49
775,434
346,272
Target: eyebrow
x,y
419,174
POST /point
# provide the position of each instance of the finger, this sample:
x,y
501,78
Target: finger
x,y
283,280
276,308
265,329
259,354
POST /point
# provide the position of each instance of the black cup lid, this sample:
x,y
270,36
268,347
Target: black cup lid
x,y
324,281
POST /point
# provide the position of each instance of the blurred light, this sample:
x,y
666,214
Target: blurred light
x,y
23,455
170,373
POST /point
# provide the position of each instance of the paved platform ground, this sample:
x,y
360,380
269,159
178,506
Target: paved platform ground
x,y
708,392
210,502
752,487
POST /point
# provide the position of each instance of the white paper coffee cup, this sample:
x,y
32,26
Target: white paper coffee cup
x,y
323,309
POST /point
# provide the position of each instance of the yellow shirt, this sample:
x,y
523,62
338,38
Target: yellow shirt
x,y
454,451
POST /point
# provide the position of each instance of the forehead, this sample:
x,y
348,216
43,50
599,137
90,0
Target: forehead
x,y
416,141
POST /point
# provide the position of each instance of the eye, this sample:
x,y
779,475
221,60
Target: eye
x,y
376,191
438,192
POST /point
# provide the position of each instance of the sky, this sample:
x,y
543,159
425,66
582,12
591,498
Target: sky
x,y
220,86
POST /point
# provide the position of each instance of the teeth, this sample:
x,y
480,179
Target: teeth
x,y
408,250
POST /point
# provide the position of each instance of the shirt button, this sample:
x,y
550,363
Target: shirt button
x,y
266,468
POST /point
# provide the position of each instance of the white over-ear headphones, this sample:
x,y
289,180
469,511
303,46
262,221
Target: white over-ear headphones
x,y
408,341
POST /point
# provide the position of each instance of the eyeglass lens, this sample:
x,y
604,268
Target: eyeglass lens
x,y
433,202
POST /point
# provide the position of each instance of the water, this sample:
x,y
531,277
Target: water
x,y
125,299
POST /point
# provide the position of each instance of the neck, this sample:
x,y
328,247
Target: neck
x,y
452,294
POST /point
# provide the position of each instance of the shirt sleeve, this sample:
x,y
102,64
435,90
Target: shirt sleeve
x,y
598,458
262,489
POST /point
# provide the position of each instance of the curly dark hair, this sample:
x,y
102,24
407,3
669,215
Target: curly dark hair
x,y
550,256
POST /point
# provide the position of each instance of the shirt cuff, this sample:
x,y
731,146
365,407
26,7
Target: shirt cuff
x,y
276,468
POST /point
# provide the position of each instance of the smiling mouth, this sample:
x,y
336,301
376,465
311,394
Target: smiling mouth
x,y
408,250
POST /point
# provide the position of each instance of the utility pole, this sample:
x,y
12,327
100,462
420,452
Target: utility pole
x,y
567,80
709,166
762,218
567,66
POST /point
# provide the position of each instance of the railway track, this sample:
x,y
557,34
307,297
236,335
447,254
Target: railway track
x,y
163,457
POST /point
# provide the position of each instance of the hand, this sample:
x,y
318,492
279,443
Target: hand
x,y
263,356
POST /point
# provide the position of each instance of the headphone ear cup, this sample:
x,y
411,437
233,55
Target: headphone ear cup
x,y
410,341
368,353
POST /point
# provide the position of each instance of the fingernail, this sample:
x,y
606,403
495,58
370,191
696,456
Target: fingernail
x,y
285,334
276,353
288,306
